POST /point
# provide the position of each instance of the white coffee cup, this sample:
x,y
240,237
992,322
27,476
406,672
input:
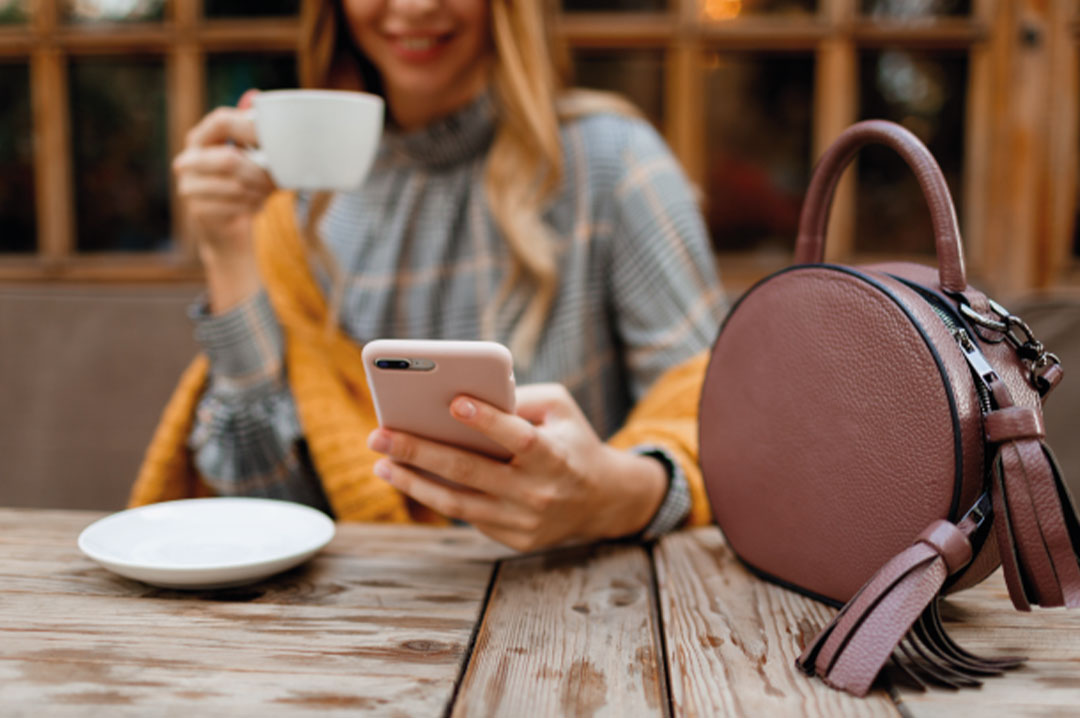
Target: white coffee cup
x,y
317,139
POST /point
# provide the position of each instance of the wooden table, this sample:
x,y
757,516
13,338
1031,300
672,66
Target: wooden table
x,y
412,621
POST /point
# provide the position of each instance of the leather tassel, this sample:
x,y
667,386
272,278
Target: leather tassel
x,y
927,654
931,626
850,652
1038,532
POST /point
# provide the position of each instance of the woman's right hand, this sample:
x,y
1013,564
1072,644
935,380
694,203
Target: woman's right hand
x,y
222,189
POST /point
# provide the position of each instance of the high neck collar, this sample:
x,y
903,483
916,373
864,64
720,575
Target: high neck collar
x,y
449,140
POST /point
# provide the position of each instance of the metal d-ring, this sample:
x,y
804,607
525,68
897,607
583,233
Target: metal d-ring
x,y
986,322
1018,334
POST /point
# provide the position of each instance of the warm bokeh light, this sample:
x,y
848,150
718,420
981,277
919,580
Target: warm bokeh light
x,y
114,10
721,9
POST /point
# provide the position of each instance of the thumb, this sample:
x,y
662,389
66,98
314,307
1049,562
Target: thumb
x,y
536,401
247,99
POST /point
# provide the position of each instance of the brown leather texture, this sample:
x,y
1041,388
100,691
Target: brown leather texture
x,y
829,441
864,430
839,416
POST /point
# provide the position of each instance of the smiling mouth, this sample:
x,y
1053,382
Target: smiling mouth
x,y
418,44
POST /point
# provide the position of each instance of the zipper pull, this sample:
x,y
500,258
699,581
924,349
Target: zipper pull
x,y
975,359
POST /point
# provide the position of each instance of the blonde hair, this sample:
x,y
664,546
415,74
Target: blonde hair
x,y
525,163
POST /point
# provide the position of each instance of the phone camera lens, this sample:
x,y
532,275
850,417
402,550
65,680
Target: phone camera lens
x,y
392,363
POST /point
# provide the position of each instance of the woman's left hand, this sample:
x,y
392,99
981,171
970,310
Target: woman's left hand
x,y
561,485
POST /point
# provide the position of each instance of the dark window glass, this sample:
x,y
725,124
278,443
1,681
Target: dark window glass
x,y
85,11
17,222
911,9
121,154
601,5
247,8
14,11
731,9
635,74
758,113
925,93
230,75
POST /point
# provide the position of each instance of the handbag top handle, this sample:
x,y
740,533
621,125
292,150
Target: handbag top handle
x,y
810,246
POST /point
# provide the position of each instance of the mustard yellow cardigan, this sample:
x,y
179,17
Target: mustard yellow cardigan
x,y
335,409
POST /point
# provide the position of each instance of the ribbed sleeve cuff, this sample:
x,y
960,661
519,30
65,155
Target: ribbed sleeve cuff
x,y
677,502
245,345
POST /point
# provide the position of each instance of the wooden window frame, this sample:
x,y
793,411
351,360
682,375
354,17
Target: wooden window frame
x,y
1020,157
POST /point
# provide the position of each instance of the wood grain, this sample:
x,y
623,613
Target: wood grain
x,y
732,639
378,624
382,621
573,633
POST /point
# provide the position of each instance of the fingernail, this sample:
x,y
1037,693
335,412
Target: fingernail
x,y
465,408
379,441
382,469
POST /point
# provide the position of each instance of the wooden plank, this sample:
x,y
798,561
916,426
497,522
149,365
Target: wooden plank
x,y
187,102
52,155
572,633
1060,201
630,29
1018,59
119,267
378,623
978,151
16,41
941,33
732,639
94,40
267,34
766,34
684,109
835,108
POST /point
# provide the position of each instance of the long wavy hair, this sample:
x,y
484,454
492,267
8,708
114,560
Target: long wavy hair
x,y
525,163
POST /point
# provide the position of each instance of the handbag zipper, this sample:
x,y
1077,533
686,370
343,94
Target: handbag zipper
x,y
980,367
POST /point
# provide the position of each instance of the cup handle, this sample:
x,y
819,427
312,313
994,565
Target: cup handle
x,y
257,155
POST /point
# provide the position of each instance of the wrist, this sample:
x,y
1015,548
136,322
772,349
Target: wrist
x,y
231,278
643,483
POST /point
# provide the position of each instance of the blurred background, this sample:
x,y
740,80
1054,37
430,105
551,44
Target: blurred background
x,y
96,96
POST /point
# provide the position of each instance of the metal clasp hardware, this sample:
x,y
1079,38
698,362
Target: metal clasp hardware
x,y
1019,335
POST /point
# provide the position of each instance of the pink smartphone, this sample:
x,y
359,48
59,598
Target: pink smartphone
x,y
413,381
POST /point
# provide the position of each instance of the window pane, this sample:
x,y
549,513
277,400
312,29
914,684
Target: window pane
x,y
758,110
14,11
114,10
925,93
246,8
121,154
731,9
635,74
914,8
600,5
17,225
230,75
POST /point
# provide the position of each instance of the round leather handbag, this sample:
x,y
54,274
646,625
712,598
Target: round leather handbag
x,y
872,436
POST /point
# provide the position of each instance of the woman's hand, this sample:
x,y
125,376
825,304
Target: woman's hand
x,y
561,485
222,189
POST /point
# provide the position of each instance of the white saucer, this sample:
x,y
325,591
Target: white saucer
x,y
207,543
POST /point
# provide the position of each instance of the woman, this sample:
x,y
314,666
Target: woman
x,y
500,207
